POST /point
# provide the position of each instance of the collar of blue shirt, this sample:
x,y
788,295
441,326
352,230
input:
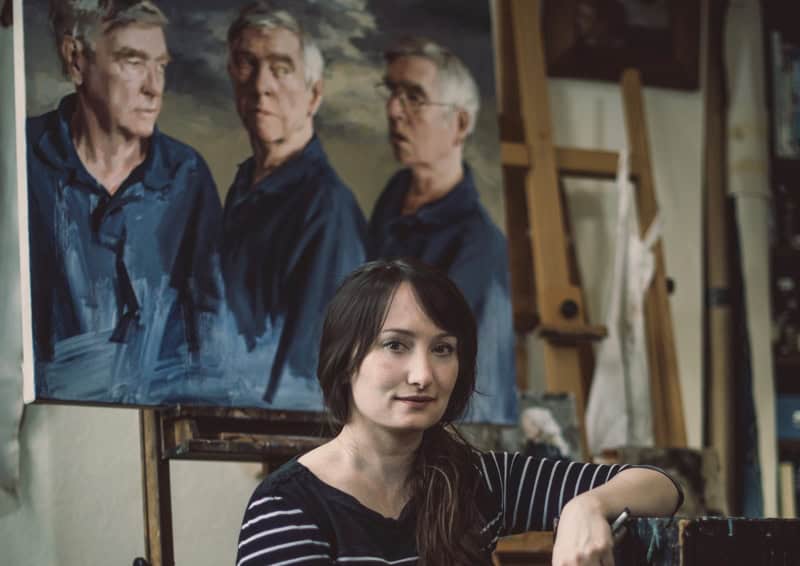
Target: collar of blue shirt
x,y
55,146
461,200
283,177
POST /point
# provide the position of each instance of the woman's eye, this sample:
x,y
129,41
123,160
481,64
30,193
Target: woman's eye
x,y
444,349
394,346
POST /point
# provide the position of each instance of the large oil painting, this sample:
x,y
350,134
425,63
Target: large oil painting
x,y
202,175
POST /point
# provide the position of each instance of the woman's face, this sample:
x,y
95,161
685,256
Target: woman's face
x,y
405,381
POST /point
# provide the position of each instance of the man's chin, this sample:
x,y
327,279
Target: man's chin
x,y
402,155
141,130
264,133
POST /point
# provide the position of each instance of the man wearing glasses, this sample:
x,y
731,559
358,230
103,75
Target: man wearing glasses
x,y
292,229
430,209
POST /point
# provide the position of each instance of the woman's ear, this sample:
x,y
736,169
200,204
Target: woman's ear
x,y
73,57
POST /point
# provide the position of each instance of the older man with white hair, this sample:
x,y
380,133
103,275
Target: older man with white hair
x,y
430,209
123,219
292,229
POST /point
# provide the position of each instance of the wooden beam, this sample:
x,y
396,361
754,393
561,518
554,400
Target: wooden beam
x,y
523,285
573,162
545,213
158,539
528,549
718,307
541,186
245,435
669,428
587,163
571,333
514,154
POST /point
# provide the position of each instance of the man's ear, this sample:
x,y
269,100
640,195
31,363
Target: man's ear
x,y
462,126
73,58
316,98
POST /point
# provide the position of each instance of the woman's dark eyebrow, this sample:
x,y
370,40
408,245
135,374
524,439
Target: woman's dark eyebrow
x,y
405,332
398,331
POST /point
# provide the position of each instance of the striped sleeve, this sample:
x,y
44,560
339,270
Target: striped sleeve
x,y
531,492
276,533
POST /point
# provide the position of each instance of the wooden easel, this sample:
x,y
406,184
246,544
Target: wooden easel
x,y
231,435
546,292
546,289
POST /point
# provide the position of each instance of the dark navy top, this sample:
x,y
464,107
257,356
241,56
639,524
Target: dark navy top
x,y
293,517
288,242
119,282
456,234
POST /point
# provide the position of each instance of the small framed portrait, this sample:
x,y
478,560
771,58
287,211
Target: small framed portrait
x,y
548,426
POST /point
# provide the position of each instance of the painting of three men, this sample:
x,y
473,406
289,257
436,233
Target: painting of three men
x,y
202,175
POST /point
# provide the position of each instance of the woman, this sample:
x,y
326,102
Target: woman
x,y
398,485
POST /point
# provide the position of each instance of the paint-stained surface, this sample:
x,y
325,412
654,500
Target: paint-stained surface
x,y
710,542
120,284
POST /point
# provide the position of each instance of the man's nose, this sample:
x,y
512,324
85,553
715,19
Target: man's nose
x,y
264,79
395,106
154,80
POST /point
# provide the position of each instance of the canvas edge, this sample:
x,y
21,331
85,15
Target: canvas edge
x,y
28,389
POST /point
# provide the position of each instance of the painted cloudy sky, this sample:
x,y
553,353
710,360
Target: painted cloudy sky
x,y
198,105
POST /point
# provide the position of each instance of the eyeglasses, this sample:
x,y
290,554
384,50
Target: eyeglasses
x,y
413,98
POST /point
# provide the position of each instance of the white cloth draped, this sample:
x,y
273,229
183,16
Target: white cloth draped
x,y
618,411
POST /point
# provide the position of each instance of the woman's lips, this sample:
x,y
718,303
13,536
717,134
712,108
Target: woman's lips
x,y
416,399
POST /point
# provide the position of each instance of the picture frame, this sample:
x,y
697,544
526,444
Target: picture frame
x,y
548,426
598,39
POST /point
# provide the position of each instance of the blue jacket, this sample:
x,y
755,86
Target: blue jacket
x,y
456,235
288,242
119,282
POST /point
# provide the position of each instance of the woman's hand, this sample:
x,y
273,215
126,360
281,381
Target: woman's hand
x,y
584,535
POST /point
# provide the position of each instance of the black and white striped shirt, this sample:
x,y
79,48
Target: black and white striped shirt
x,y
295,518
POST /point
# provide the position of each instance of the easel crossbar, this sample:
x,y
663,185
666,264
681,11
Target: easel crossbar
x,y
570,162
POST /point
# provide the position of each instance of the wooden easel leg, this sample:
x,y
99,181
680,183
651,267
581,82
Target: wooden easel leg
x,y
563,372
157,493
669,429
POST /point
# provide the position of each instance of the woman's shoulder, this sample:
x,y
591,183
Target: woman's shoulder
x,y
495,458
281,522
289,478
287,483
298,482
290,490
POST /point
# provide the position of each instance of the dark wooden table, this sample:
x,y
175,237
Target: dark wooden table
x,y
708,541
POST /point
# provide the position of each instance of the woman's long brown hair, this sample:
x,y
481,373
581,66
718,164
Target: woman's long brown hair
x,y
445,476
